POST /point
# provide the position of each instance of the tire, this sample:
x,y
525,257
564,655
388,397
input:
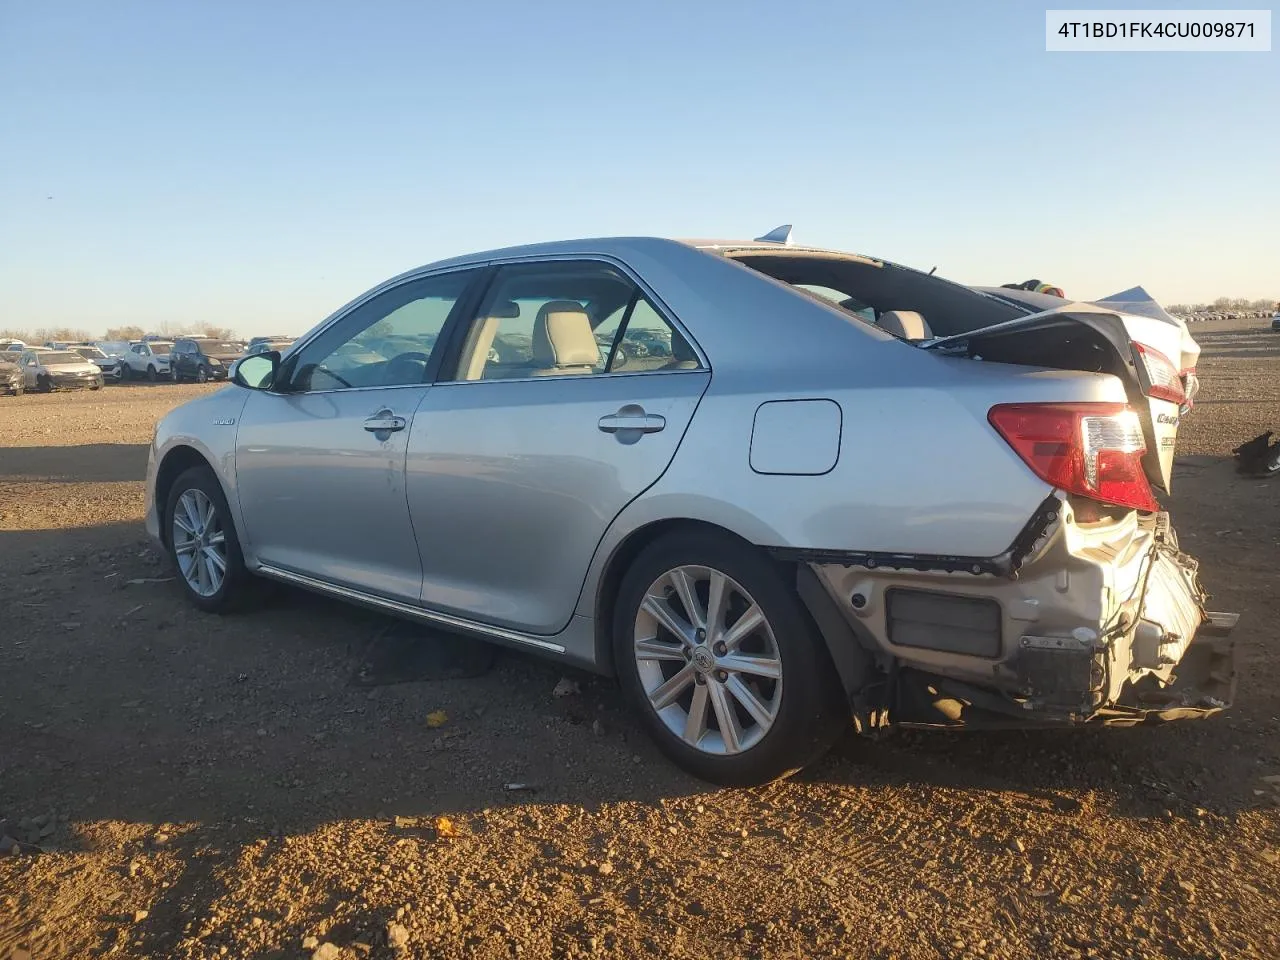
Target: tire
x,y
126,373
236,587
95,386
151,373
43,385
202,374
805,706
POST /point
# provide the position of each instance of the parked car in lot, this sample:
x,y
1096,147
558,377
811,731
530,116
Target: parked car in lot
x,y
110,366
1275,320
147,359
945,517
12,381
46,370
202,359
263,344
12,346
267,344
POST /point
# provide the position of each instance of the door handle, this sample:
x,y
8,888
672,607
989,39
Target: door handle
x,y
640,422
384,421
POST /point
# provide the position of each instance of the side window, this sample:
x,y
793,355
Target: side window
x,y
385,342
553,319
648,342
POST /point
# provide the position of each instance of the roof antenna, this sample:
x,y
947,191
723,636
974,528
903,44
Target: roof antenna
x,y
935,267
780,235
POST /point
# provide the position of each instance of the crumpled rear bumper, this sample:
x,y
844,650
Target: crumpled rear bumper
x,y
1099,623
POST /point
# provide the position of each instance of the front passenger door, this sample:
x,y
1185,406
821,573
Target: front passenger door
x,y
320,457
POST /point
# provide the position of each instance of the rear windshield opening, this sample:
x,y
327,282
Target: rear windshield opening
x,y
868,289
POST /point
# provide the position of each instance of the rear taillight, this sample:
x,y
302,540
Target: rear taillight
x,y
1091,449
1158,375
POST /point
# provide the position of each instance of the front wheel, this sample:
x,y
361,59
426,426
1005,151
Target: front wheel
x,y
203,544
44,385
202,375
151,373
716,652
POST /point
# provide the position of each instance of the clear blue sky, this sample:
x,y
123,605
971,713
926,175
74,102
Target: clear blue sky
x,y
256,164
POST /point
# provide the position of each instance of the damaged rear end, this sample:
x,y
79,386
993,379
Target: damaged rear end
x,y
1094,614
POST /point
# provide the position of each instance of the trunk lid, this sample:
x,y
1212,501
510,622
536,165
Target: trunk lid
x,y
1081,336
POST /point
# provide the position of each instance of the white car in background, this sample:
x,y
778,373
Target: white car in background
x,y
147,360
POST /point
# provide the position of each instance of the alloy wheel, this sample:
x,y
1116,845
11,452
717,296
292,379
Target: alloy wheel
x,y
708,660
199,542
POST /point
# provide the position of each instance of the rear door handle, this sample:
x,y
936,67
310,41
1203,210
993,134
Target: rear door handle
x,y
384,421
640,422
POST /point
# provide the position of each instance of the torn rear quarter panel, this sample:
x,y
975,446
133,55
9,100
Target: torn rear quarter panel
x,y
1101,622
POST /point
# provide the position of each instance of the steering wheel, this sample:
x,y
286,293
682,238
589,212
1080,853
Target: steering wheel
x,y
404,359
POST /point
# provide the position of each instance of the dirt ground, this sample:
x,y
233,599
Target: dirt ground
x,y
195,786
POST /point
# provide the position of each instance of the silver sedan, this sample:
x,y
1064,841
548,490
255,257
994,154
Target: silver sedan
x,y
841,492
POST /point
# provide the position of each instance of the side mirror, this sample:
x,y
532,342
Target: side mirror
x,y
256,372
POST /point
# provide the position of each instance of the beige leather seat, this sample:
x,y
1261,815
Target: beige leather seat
x,y
682,355
563,341
906,324
480,340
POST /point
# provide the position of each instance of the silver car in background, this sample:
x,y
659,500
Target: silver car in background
x,y
821,487
45,369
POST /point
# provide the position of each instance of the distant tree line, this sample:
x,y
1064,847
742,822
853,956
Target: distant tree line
x,y
44,334
1223,304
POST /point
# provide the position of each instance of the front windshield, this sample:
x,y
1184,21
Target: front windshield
x,y
59,356
90,353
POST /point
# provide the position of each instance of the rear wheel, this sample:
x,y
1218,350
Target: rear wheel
x,y
716,652
203,544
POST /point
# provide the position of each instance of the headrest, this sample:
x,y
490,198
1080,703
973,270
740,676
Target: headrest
x,y
906,324
562,336
504,310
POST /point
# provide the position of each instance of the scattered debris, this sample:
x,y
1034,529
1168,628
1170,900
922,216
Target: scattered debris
x,y
445,829
437,719
605,868
140,915
140,580
567,687
327,951
1258,457
520,788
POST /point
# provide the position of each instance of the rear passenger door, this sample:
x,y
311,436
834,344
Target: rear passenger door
x,y
537,434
